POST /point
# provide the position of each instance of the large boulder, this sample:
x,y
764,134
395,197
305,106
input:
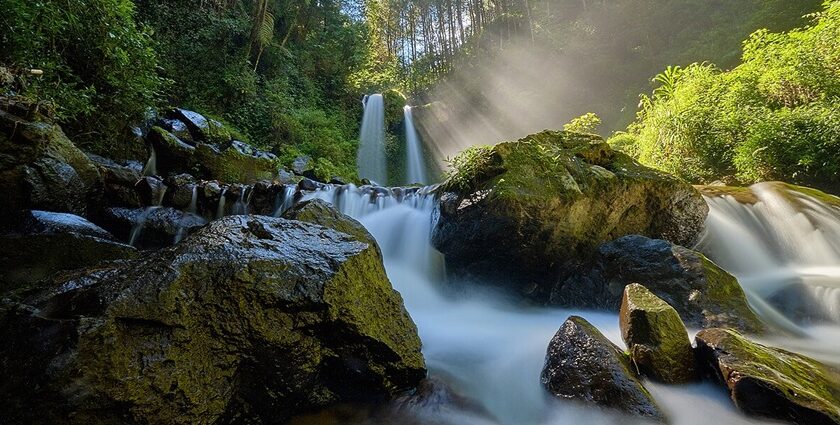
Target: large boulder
x,y
250,320
40,168
318,211
656,337
582,365
769,382
703,294
518,212
42,243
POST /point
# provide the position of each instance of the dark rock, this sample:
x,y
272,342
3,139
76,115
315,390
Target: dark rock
x,y
250,320
43,243
769,382
178,128
518,213
172,154
309,185
582,365
151,227
151,190
41,169
119,182
337,181
656,337
302,164
703,294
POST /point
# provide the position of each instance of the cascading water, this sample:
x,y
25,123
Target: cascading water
x,y
137,227
370,159
783,245
220,209
489,349
286,201
240,207
151,165
415,166
193,207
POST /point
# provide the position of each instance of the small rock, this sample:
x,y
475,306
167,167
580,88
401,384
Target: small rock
x,y
583,365
769,382
656,337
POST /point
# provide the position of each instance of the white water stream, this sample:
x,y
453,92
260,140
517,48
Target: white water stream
x,y
492,350
370,159
415,165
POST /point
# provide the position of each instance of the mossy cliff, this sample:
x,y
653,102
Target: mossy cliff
x,y
521,210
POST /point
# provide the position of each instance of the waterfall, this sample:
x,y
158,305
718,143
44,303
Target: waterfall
x,y
370,159
220,209
488,348
286,201
151,165
240,207
137,226
193,207
415,166
783,245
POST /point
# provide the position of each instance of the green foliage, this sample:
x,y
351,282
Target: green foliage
x,y
99,64
774,117
467,168
586,123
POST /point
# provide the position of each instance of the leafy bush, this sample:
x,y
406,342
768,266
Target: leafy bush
x,y
586,123
775,116
99,64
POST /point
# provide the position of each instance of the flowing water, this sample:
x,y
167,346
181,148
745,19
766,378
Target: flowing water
x,y
284,201
492,350
415,165
371,156
220,208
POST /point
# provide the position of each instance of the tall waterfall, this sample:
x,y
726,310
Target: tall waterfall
x,y
487,348
415,166
371,156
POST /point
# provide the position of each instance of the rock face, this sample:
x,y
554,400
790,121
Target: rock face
x,y
321,212
522,210
43,243
250,320
704,295
656,337
770,382
583,365
40,168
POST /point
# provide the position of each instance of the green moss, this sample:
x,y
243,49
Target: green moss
x,y
232,166
743,195
394,101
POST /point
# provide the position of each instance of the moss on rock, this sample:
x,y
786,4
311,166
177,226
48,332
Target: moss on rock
x,y
656,337
524,209
770,382
251,319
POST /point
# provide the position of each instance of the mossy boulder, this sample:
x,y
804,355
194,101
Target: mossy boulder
x,y
250,320
320,212
40,168
769,382
520,211
43,243
151,227
236,163
702,293
394,102
656,337
582,365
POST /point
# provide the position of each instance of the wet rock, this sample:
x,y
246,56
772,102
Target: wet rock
x,y
769,382
178,128
151,190
302,164
518,213
582,365
309,185
41,169
119,181
656,337
702,293
43,243
200,127
173,155
151,227
320,212
250,320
